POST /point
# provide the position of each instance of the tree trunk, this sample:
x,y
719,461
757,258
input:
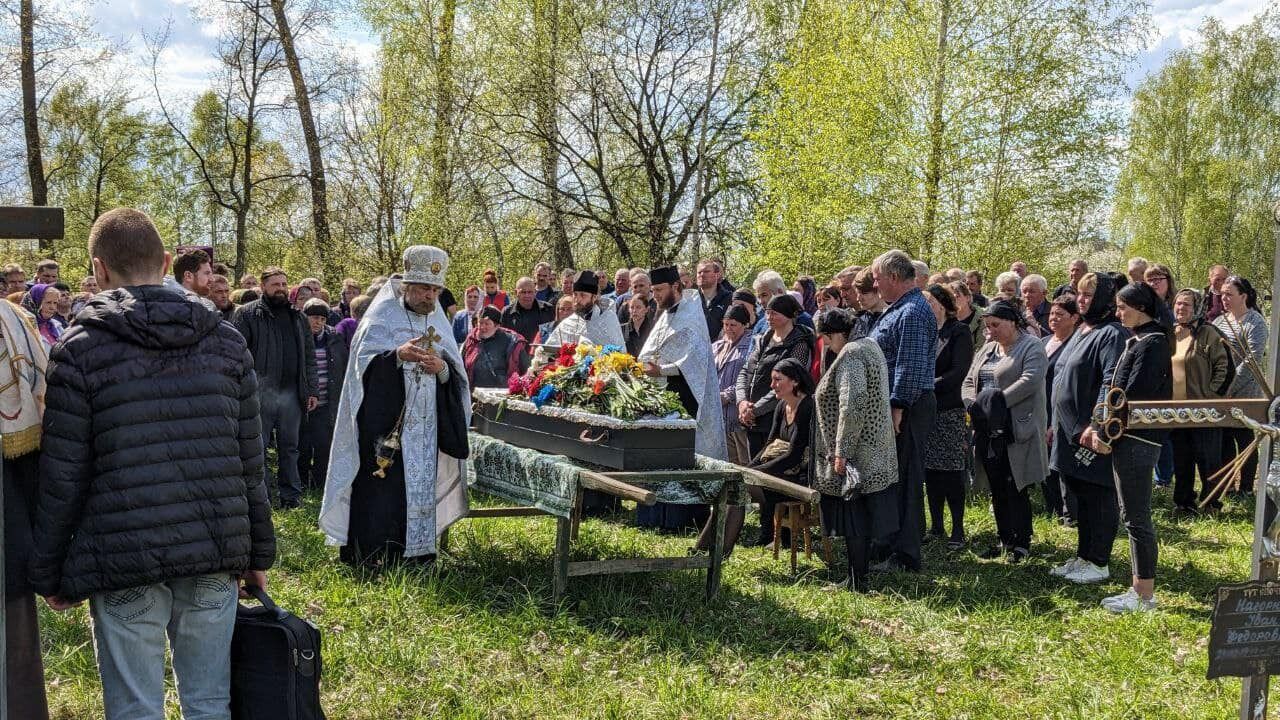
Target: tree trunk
x,y
242,246
699,184
246,195
319,196
30,116
995,225
546,18
933,171
443,123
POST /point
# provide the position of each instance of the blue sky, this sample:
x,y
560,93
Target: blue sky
x,y
189,59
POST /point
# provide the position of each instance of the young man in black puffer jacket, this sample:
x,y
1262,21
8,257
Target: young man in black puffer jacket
x,y
151,501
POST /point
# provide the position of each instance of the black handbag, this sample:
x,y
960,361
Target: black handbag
x,y
275,663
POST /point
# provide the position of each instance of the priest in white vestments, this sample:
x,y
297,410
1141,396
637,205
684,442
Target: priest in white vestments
x,y
594,319
397,468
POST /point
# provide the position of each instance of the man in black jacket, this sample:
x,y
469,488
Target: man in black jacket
x,y
715,297
527,312
150,499
284,356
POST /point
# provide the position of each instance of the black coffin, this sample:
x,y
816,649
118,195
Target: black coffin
x,y
628,449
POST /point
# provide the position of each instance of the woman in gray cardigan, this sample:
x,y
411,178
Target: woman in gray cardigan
x,y
1245,331
1013,364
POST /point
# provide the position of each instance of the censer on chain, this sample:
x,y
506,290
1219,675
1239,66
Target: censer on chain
x,y
385,455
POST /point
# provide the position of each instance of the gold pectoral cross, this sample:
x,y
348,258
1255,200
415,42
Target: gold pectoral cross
x,y
429,339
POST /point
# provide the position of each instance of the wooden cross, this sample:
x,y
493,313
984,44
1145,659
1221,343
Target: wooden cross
x,y
21,223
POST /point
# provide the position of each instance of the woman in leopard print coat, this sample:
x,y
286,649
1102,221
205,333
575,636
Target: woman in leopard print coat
x,y
854,454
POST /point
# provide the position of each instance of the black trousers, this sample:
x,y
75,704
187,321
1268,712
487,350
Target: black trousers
x,y
1058,498
917,421
1194,449
1011,506
946,489
1234,441
1098,520
1133,462
24,667
313,447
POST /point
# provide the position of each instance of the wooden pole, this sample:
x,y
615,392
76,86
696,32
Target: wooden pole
x,y
596,481
4,627
1253,694
18,223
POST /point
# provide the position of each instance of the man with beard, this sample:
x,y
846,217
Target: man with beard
x,y
593,320
283,349
397,471
193,271
679,350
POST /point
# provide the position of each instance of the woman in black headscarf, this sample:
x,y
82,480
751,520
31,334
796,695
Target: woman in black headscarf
x,y
1143,372
1005,393
781,339
1078,387
785,453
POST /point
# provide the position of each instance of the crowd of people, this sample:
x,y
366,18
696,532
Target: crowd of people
x,y
141,481
988,389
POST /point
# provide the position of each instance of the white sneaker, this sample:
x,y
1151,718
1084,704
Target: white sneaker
x,y
1129,601
1065,568
1086,573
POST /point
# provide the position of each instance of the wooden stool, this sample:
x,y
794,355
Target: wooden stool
x,y
797,517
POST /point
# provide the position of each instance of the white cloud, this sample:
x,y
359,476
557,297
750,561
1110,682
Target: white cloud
x,y
1177,25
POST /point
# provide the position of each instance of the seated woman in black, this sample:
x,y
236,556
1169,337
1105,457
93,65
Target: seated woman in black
x,y
786,449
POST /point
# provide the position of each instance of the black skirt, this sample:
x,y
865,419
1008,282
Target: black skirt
x,y
874,515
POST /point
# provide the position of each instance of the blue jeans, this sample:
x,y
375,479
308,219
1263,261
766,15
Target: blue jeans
x,y
282,417
129,627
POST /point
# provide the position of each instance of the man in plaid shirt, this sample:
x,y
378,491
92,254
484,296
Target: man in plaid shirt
x,y
907,334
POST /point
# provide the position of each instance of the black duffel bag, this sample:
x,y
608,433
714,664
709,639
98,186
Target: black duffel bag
x,y
275,663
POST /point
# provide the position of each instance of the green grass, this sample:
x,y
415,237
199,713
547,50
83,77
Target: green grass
x,y
968,639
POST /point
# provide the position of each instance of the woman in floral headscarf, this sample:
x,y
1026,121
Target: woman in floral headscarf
x,y
299,296
1202,370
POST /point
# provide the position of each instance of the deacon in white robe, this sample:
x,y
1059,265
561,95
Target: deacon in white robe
x,y
679,350
406,381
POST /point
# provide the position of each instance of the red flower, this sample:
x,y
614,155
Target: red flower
x,y
515,384
565,358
